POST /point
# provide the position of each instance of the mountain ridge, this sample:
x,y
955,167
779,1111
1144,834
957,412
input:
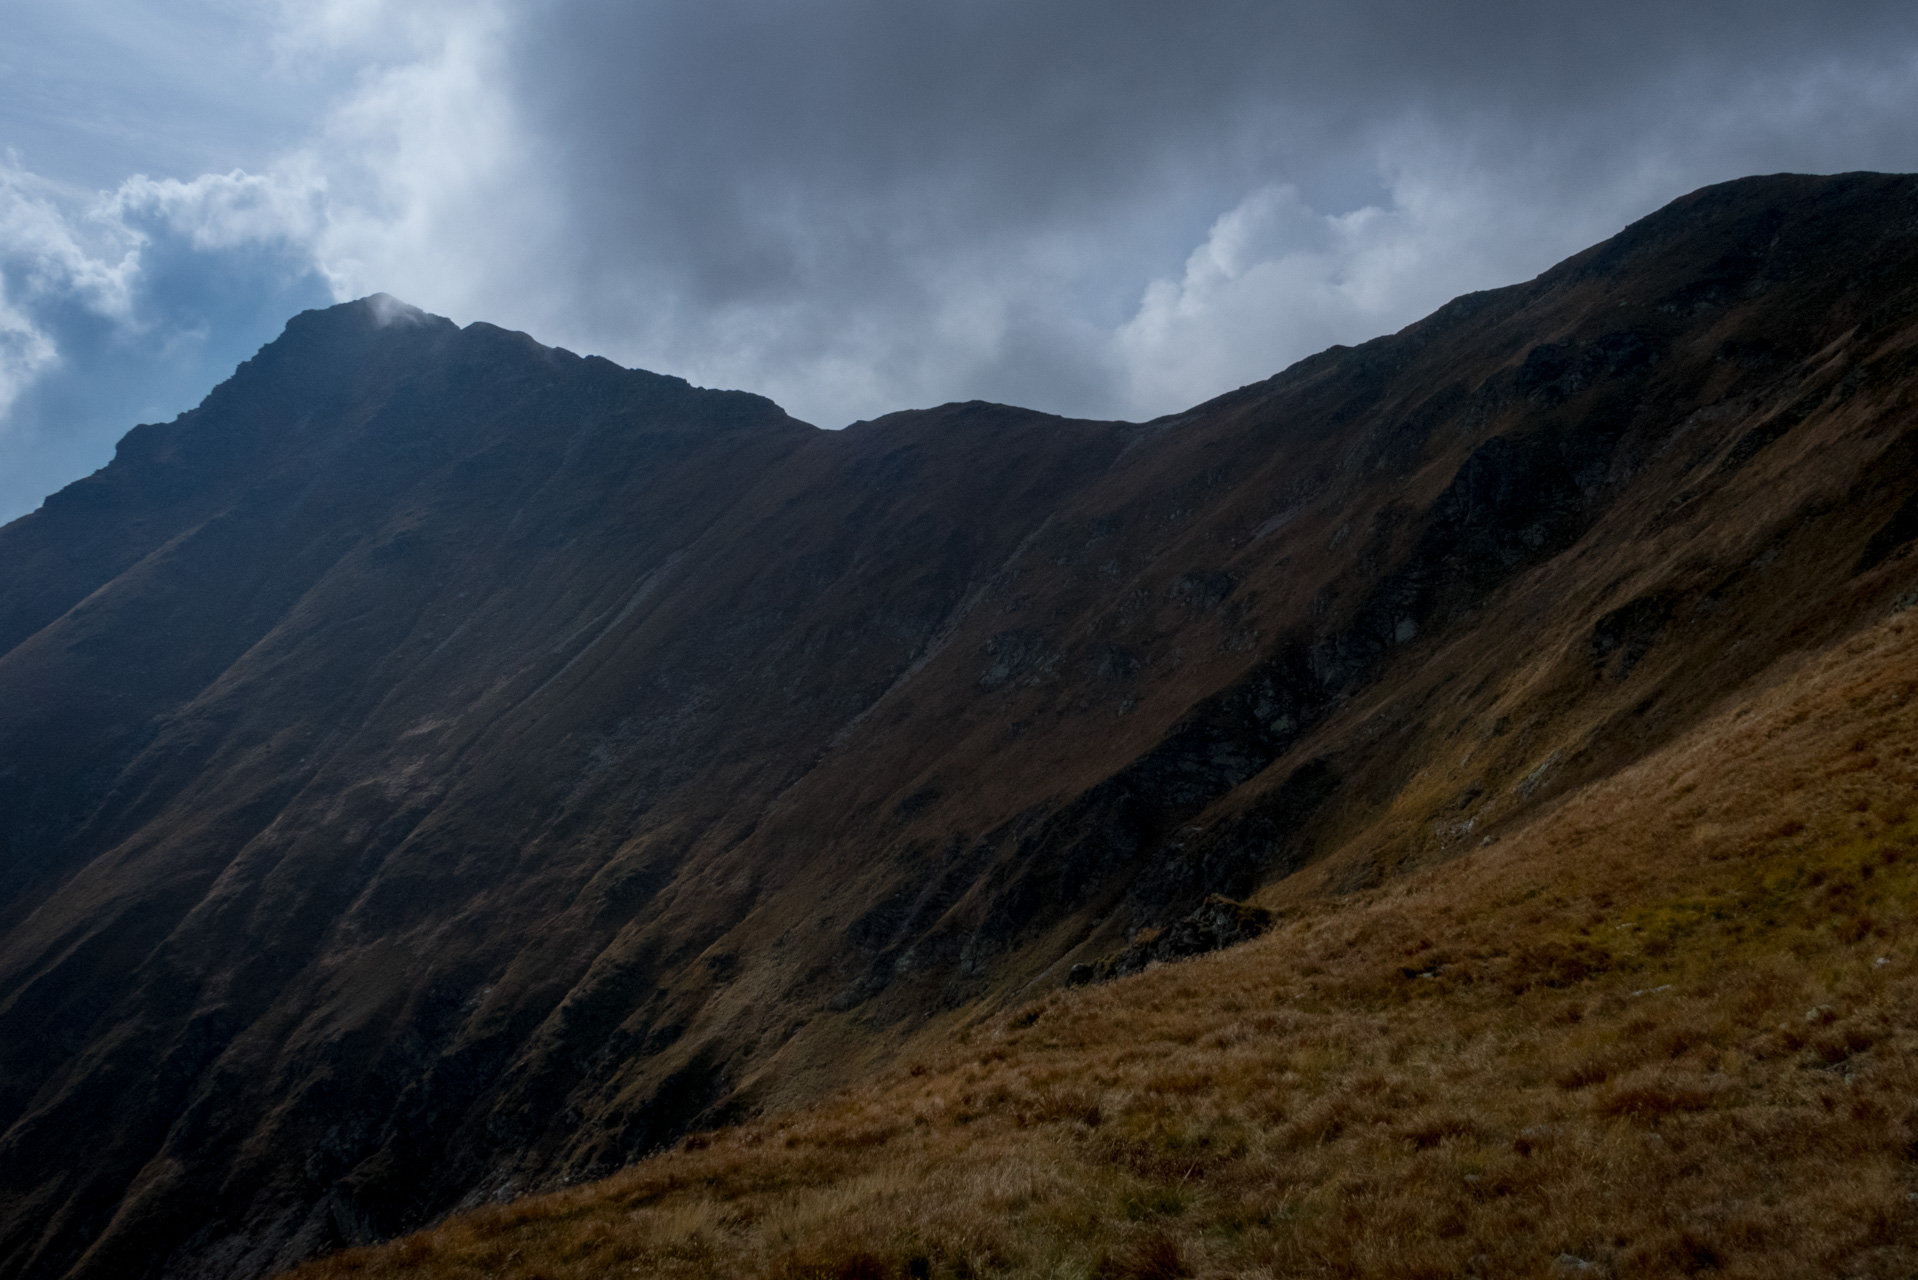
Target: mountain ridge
x,y
582,756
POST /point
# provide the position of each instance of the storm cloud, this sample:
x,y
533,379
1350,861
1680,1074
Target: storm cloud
x,y
1113,209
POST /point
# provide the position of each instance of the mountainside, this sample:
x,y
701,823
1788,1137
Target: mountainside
x,y
440,767
1666,1028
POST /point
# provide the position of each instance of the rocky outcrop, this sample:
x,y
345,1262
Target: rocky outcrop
x,y
1215,924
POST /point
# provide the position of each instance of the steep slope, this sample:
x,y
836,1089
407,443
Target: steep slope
x,y
440,766
1667,1028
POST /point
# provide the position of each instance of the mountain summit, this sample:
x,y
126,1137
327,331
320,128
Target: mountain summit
x,y
440,767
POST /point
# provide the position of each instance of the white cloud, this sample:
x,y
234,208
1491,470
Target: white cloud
x,y
25,350
433,189
1276,280
365,33
45,256
48,251
225,210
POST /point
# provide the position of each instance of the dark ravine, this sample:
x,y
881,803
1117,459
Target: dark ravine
x,y
440,766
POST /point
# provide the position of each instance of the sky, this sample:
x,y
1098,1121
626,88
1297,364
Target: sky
x,y
1106,208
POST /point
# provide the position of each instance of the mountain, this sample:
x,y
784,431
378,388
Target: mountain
x,y
1667,1027
441,767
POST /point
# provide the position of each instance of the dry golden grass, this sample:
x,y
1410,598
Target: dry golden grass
x,y
1669,1028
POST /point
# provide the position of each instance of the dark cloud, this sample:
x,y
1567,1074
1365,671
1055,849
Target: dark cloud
x,y
851,158
719,131
1001,111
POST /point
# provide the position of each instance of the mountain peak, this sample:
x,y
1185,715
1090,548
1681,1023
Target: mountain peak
x,y
370,314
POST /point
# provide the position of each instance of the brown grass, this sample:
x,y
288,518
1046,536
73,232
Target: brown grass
x,y
1671,1028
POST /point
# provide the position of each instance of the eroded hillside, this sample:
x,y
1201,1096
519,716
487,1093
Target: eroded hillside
x,y
440,767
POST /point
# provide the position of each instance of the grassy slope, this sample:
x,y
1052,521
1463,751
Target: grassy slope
x,y
1670,1025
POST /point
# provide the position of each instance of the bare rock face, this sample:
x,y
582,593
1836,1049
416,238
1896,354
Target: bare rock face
x,y
1216,923
440,766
